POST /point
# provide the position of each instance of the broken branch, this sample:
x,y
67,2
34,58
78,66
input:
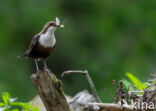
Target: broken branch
x,y
88,78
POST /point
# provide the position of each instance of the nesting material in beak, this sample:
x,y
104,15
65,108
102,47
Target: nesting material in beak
x,y
58,23
62,25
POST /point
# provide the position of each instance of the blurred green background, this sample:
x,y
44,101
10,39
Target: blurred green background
x,y
107,37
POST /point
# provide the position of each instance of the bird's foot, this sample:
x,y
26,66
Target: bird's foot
x,y
38,71
47,69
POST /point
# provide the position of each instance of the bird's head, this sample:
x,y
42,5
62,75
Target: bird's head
x,y
52,25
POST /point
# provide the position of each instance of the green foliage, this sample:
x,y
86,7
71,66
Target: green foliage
x,y
10,104
106,37
134,82
127,83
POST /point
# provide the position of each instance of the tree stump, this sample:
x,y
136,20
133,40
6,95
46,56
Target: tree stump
x,y
50,91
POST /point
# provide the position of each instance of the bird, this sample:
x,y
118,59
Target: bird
x,y
43,43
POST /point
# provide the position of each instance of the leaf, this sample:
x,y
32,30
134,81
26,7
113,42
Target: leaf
x,y
137,83
6,109
6,97
26,106
10,103
20,104
127,83
16,104
2,104
35,109
14,110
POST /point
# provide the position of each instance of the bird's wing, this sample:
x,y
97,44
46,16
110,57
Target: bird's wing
x,y
33,43
31,46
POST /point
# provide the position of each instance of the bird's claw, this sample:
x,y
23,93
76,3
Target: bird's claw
x,y
47,69
38,71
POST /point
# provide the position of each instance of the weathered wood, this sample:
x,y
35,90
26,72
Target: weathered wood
x,y
108,107
80,100
49,89
76,103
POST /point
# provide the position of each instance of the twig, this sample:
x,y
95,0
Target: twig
x,y
135,92
73,71
154,75
149,86
116,94
151,80
127,95
121,92
114,84
88,78
110,107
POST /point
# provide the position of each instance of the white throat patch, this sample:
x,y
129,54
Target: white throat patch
x,y
48,39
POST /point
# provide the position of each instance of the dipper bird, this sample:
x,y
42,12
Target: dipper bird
x,y
43,43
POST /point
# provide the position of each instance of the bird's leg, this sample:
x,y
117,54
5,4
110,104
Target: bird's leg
x,y
37,66
46,67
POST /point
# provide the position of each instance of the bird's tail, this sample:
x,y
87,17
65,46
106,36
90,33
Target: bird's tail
x,y
23,55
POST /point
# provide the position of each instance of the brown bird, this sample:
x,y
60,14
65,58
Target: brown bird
x,y
43,43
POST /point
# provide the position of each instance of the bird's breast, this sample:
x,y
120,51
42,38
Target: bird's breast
x,y
47,40
44,50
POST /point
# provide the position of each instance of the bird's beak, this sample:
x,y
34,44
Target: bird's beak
x,y
62,25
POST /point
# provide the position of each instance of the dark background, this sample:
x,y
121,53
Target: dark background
x,y
106,37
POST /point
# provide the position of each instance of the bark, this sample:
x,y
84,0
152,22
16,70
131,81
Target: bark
x,y
50,91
